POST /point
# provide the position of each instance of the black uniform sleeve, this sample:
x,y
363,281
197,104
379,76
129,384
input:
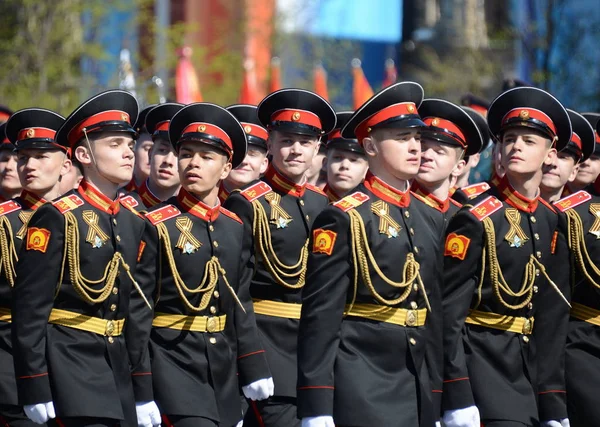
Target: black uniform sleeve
x,y
323,301
461,277
38,272
139,320
550,332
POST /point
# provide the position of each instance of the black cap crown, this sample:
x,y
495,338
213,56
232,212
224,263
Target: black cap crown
x,y
158,118
34,128
247,115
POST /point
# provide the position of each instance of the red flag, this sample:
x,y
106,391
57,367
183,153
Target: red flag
x,y
391,73
275,80
320,81
187,87
249,93
361,89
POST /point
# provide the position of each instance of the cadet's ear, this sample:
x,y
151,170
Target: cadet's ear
x,y
82,154
370,146
551,156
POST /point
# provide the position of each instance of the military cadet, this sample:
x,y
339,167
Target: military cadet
x,y
564,168
255,163
78,306
41,164
143,145
588,170
373,279
163,181
503,256
204,329
70,181
277,213
10,186
482,169
450,135
346,162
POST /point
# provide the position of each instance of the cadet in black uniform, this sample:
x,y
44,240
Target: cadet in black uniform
x,y
277,213
78,316
10,186
143,146
346,162
371,305
41,164
204,329
589,170
505,299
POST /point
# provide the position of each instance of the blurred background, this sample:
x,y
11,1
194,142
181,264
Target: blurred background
x,y
55,54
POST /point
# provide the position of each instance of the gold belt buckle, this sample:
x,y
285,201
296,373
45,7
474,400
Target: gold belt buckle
x,y
211,324
411,318
528,326
110,328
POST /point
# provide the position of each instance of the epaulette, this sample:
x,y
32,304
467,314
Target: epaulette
x,y
8,207
315,189
572,201
352,201
475,190
129,201
68,203
163,214
257,190
548,205
486,207
455,203
230,214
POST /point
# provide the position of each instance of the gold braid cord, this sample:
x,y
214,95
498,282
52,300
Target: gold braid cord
x,y
578,248
81,283
363,258
280,271
209,282
9,253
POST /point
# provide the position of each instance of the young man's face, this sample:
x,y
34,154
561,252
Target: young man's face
x,y
9,178
312,174
345,169
113,156
292,153
201,167
560,172
525,151
163,164
439,162
142,157
252,167
40,170
588,171
398,151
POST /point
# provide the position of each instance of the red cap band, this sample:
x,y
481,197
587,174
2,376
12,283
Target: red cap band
x,y
297,116
162,126
396,110
4,116
480,109
255,130
597,138
525,114
577,141
212,130
335,134
447,125
105,116
29,133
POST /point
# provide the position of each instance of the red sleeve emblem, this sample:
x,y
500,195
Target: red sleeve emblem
x,y
456,246
323,241
38,239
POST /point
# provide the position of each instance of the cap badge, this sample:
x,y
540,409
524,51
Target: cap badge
x,y
30,133
124,117
247,129
524,114
296,116
435,122
201,128
411,108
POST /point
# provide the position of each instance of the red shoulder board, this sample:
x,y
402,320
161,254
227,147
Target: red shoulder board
x,y
475,190
351,201
129,201
455,203
255,191
230,214
315,189
8,207
68,203
573,200
485,208
163,214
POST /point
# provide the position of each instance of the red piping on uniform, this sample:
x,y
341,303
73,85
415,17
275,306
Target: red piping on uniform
x,y
552,391
457,379
166,420
33,376
251,354
259,419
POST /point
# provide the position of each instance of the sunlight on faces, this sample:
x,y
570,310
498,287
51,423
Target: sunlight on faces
x,y
70,180
525,151
40,170
164,172
439,162
394,152
9,178
588,171
252,167
111,158
142,149
292,153
560,172
345,169
201,167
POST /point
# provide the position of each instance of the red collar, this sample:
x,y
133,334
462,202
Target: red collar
x,y
331,195
515,199
430,199
31,201
452,191
495,179
149,199
223,193
132,186
387,192
191,204
281,183
95,198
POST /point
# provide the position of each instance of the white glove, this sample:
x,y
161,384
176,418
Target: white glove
x,y
465,417
320,421
438,424
259,390
40,412
240,424
554,423
148,414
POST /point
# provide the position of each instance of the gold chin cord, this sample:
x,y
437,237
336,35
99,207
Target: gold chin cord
x,y
9,253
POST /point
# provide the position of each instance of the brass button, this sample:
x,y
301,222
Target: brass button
x,y
533,219
307,218
535,289
114,221
407,214
212,340
530,306
213,310
115,290
528,326
216,294
412,231
538,254
111,340
216,244
211,228
411,318
211,324
415,287
301,202
118,238
525,339
416,250
113,307
412,341
413,305
536,236
537,272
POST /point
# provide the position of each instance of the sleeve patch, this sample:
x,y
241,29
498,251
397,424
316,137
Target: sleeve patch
x,y
8,207
255,191
487,207
230,214
352,201
141,250
68,203
456,246
38,239
163,214
323,241
572,201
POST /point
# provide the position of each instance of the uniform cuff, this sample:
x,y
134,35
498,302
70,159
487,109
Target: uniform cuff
x,y
253,367
314,401
552,405
34,389
457,394
142,386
